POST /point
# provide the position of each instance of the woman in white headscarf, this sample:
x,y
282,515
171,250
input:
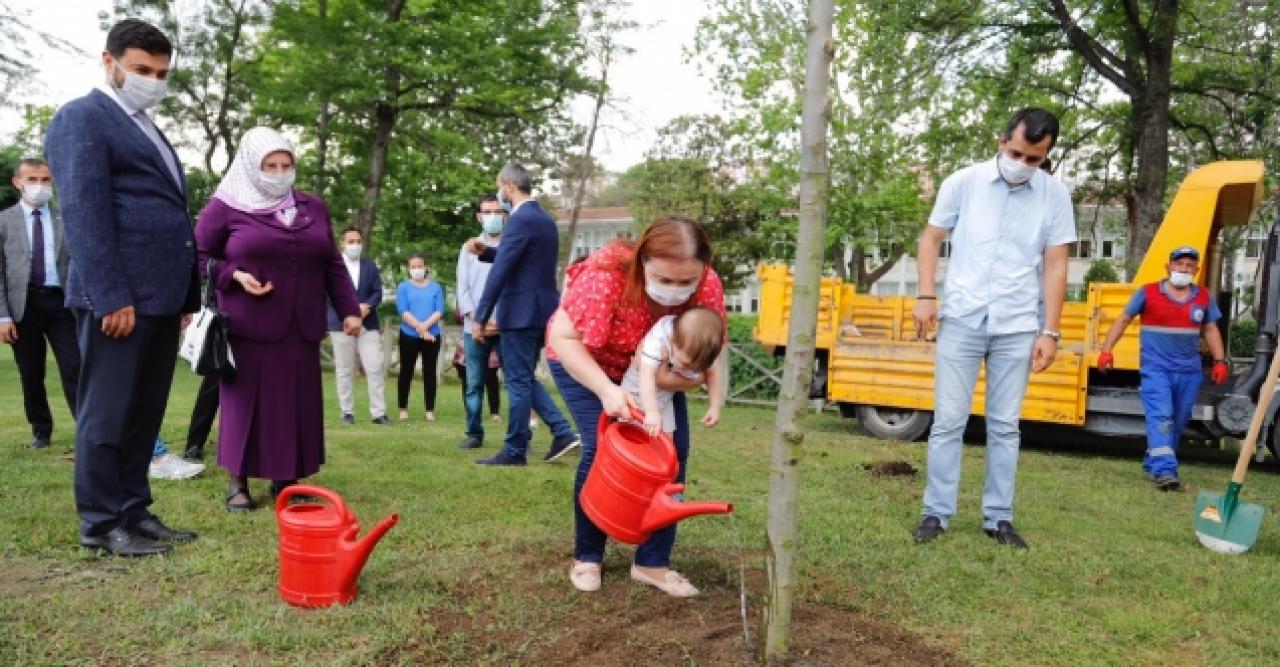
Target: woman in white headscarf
x,y
269,250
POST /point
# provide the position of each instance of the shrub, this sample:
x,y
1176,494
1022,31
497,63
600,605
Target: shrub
x,y
1244,334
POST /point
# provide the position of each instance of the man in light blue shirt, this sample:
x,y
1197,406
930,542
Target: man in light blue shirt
x,y
33,267
1010,224
472,274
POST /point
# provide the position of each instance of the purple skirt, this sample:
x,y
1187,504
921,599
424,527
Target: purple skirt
x,y
272,421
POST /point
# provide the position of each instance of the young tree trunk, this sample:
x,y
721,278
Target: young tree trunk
x,y
584,171
788,438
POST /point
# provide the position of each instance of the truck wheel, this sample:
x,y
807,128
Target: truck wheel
x,y
902,424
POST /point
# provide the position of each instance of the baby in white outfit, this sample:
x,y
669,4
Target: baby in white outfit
x,y
688,344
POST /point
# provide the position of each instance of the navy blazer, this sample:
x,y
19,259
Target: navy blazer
x,y
126,220
368,292
522,282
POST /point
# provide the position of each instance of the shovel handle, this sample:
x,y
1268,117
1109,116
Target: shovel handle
x,y
1255,424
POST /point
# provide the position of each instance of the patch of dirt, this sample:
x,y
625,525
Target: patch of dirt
x,y
891,469
627,624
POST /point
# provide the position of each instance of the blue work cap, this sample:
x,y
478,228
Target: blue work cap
x,y
1184,251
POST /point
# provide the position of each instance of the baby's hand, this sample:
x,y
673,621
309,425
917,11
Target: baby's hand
x,y
711,418
653,423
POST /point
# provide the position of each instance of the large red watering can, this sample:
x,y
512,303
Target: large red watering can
x,y
628,492
320,558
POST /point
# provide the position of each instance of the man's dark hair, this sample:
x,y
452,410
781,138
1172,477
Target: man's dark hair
x,y
349,230
33,162
1036,124
415,255
137,34
491,197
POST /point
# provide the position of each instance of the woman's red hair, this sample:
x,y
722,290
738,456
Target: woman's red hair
x,y
670,237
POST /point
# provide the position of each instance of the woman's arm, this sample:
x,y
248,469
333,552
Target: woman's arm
x,y
437,306
567,343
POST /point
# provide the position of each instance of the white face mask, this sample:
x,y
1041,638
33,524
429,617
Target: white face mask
x,y
417,274
669,295
37,194
1180,279
277,184
140,92
353,250
1014,171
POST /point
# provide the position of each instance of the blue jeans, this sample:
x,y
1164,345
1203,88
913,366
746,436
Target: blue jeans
x,y
589,541
477,366
519,349
959,354
1167,399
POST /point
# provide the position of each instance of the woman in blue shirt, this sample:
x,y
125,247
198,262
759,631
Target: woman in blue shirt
x,y
421,305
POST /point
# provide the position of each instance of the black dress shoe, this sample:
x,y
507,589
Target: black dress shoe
x,y
154,529
40,442
348,418
561,446
1004,534
382,421
245,505
120,542
929,529
194,453
471,442
502,459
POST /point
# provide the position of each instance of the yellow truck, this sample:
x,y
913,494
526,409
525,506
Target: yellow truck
x,y
875,367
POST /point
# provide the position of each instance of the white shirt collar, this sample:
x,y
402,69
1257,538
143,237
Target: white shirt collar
x,y
349,261
110,91
28,208
517,206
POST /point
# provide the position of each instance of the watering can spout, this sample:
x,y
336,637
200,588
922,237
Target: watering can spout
x,y
665,510
357,551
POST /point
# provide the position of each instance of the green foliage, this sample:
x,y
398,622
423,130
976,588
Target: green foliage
x,y
742,372
1101,271
1244,334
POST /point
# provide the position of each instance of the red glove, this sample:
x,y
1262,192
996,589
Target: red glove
x,y
1106,361
1220,372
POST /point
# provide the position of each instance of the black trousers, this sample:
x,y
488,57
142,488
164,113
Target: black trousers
x,y
46,320
204,411
410,348
492,387
124,388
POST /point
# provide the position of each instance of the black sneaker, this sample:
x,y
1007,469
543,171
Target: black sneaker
x,y
1167,482
471,442
194,453
502,459
1004,534
928,530
561,446
40,442
348,418
382,421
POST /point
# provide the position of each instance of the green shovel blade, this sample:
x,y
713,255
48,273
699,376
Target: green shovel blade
x,y
1224,524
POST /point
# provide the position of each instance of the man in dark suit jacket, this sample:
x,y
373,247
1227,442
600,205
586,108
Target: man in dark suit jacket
x,y
33,269
522,286
132,279
367,346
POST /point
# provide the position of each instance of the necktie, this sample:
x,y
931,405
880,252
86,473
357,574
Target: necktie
x,y
37,249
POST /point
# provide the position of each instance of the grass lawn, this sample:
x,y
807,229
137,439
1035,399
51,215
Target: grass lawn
x,y
476,570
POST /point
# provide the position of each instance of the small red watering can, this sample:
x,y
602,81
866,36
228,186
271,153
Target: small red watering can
x,y
320,558
628,492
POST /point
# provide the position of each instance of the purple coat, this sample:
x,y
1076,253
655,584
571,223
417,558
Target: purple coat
x,y
301,261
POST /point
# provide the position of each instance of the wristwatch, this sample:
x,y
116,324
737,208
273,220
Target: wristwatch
x,y
1055,335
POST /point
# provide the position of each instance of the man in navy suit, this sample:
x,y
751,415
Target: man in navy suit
x,y
132,280
522,286
367,345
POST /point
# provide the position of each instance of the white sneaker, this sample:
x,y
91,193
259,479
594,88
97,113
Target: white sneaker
x,y
169,466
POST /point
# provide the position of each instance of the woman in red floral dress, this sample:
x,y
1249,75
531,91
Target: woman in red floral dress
x,y
610,302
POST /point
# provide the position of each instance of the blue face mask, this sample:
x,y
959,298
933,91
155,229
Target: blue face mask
x,y
492,223
502,201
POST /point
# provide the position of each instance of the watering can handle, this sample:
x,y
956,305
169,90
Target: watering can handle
x,y
334,499
636,414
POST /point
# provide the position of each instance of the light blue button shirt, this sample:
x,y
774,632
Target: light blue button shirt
x,y
998,238
50,243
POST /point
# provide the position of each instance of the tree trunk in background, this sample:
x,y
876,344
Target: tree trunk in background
x,y
793,399
584,172
384,118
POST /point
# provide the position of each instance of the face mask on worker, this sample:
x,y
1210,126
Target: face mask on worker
x,y
669,295
1016,172
37,194
140,92
492,223
417,274
353,250
277,184
1180,279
